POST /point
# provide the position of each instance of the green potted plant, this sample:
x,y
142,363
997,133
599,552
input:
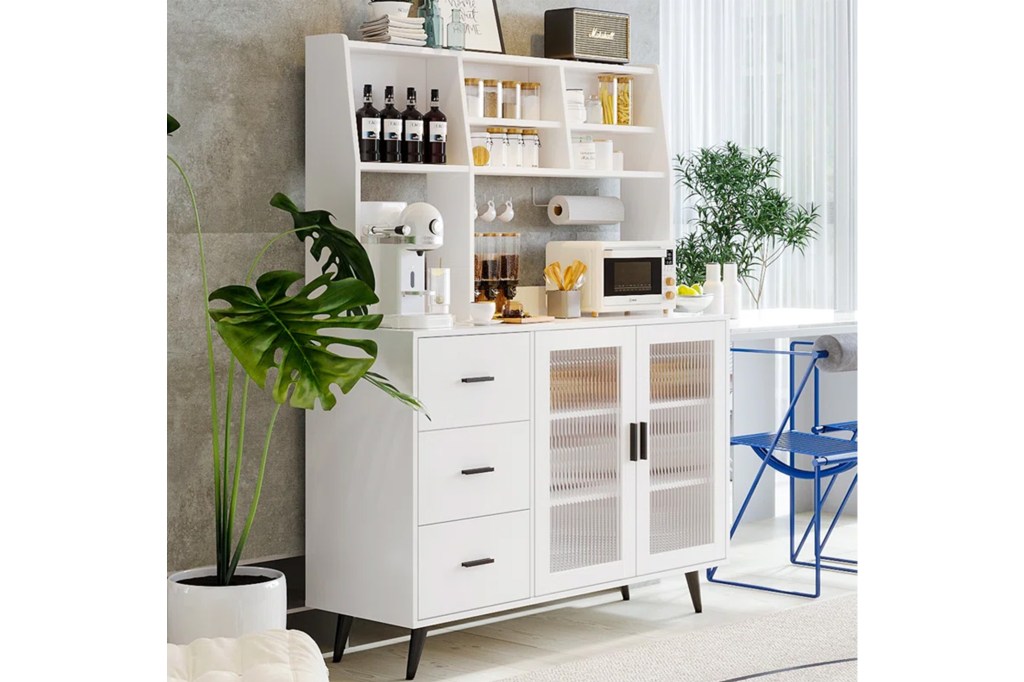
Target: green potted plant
x,y
269,331
740,217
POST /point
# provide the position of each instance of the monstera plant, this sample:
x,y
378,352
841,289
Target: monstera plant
x,y
283,339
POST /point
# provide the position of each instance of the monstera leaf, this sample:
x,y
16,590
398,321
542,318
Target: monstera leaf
x,y
172,124
265,328
345,252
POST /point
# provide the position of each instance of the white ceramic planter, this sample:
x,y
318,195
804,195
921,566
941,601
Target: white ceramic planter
x,y
198,611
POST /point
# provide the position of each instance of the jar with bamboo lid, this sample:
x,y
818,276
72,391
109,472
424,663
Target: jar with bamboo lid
x,y
530,100
492,98
474,97
624,101
510,99
531,148
499,147
606,90
515,148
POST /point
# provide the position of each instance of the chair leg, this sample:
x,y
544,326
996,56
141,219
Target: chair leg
x,y
417,639
693,583
625,592
341,636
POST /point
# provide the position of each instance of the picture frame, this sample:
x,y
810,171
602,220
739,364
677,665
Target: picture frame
x,y
483,25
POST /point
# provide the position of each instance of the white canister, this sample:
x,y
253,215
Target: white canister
x,y
530,99
531,148
713,286
499,148
603,154
575,106
584,153
515,148
731,291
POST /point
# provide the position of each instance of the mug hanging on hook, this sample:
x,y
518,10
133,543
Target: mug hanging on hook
x,y
508,213
489,213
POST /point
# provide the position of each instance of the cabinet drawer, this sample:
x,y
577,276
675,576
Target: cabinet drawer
x,y
474,563
474,471
473,380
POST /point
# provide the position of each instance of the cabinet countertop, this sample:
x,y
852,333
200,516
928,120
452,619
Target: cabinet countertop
x,y
791,322
637,319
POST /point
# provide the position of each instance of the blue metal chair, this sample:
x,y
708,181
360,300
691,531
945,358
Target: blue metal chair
x,y
828,457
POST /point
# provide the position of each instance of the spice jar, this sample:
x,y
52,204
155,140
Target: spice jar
x,y
510,99
481,148
595,113
492,98
474,97
606,91
530,99
624,101
515,148
499,147
531,148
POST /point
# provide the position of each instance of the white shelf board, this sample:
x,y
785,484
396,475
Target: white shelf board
x,y
478,122
365,47
611,129
411,168
565,173
596,67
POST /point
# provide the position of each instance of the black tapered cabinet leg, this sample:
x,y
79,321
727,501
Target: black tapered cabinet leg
x,y
625,592
694,584
416,641
341,636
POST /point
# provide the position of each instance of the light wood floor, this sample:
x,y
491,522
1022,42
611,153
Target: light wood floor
x,y
574,629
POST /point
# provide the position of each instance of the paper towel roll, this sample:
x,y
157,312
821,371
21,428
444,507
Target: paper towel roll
x,y
576,210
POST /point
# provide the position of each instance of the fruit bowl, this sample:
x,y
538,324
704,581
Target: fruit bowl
x,y
693,304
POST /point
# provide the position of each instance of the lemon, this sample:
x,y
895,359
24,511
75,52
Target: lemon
x,y
687,291
699,289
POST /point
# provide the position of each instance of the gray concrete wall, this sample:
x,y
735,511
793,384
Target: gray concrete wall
x,y
235,82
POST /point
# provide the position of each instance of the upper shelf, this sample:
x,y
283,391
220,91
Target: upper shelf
x,y
566,173
606,129
413,168
476,122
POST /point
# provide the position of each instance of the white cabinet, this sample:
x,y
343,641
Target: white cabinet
x,y
629,454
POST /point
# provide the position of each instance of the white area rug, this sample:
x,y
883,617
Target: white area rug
x,y
768,649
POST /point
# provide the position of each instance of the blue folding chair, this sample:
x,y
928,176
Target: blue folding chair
x,y
828,457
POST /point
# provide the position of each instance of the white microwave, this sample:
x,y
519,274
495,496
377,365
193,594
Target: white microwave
x,y
622,277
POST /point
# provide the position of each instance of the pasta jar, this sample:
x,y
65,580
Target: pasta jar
x,y
510,99
492,99
474,97
531,148
530,100
609,97
515,148
481,148
499,147
624,101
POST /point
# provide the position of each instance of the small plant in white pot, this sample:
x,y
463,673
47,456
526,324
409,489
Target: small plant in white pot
x,y
270,332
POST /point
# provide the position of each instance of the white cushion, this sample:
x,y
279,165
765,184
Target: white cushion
x,y
268,656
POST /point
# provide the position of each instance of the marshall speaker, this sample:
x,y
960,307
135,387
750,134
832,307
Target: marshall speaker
x,y
586,34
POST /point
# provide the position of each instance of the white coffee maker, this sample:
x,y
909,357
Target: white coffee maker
x,y
397,236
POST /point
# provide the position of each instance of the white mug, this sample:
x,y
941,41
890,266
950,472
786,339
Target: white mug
x,y
507,214
488,215
481,311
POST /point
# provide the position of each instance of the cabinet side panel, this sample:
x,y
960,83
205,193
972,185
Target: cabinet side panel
x,y
360,497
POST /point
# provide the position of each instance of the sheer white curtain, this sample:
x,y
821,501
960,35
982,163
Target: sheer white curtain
x,y
778,74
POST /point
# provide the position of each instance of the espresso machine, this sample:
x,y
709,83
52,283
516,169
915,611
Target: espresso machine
x,y
397,237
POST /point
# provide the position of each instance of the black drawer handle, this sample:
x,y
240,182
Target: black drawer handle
x,y
477,562
476,380
478,470
643,440
632,441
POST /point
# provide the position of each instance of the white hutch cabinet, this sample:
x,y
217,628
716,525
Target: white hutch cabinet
x,y
559,458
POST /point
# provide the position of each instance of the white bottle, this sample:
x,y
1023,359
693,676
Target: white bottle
x,y
713,287
731,291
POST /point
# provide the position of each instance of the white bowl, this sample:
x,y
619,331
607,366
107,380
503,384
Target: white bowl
x,y
380,9
693,304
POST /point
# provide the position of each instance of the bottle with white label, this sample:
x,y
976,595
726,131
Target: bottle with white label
x,y
391,122
368,127
731,290
713,287
436,124
412,131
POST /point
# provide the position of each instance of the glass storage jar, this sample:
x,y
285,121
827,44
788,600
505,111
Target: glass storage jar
x,y
499,147
624,101
531,148
606,91
481,148
595,114
515,148
575,107
492,98
474,97
510,99
530,100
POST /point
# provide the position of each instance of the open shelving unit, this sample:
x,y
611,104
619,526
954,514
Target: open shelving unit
x,y
337,68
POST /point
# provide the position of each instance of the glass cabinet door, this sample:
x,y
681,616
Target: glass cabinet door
x,y
585,482
681,482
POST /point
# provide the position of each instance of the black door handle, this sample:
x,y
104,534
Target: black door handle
x,y
643,440
476,380
632,441
477,562
478,470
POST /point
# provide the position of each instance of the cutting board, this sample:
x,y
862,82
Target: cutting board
x,y
527,320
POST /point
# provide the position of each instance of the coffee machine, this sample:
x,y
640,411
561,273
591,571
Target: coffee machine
x,y
397,236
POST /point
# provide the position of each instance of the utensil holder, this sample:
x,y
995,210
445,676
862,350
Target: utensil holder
x,y
564,304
